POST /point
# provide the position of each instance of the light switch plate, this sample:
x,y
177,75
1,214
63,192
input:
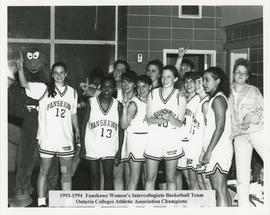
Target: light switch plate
x,y
139,58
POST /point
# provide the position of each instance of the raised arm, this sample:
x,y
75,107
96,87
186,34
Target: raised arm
x,y
24,83
88,90
181,53
92,92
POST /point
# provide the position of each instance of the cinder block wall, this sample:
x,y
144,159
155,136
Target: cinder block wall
x,y
248,35
150,29
122,33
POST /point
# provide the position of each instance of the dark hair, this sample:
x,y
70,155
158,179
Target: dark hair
x,y
108,78
51,84
156,63
130,76
242,62
192,75
172,69
188,62
96,73
144,79
122,62
224,85
59,64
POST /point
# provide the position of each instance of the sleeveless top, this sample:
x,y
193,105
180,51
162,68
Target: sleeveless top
x,y
211,125
138,124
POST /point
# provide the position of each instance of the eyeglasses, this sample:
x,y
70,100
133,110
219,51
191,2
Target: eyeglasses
x,y
241,73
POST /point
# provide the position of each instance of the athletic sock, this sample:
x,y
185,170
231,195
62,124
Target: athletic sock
x,y
41,201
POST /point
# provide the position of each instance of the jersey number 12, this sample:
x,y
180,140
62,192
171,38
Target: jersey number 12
x,y
60,112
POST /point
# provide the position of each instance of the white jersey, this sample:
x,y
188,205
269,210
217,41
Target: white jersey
x,y
54,119
101,135
156,103
197,132
211,124
124,153
137,132
198,121
222,154
165,142
138,124
191,108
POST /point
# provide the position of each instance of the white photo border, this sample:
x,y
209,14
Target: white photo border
x,y
3,107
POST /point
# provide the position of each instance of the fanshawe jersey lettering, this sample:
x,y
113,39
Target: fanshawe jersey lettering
x,y
198,122
191,108
138,123
101,135
189,114
55,131
196,134
156,103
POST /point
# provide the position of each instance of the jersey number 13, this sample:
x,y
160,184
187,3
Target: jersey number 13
x,y
106,132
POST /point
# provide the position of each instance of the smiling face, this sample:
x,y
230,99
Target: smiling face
x,y
143,89
107,88
189,85
168,78
240,74
184,69
199,86
128,86
118,71
210,84
59,74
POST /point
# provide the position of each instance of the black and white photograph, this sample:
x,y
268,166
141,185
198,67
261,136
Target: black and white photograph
x,y
134,106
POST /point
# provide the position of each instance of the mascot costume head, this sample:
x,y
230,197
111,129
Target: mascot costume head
x,y
23,115
36,69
